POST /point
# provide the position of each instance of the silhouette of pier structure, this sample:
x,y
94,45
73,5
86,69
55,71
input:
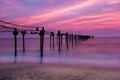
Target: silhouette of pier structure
x,y
52,40
70,38
23,37
41,34
15,33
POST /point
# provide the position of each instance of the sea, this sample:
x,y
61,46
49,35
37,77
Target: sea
x,y
98,51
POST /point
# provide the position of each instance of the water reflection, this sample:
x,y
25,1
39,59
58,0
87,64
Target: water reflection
x,y
62,46
99,51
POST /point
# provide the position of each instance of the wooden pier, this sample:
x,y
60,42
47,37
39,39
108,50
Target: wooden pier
x,y
70,39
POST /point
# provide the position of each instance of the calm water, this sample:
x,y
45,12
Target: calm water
x,y
94,52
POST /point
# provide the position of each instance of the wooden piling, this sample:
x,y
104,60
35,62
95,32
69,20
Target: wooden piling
x,y
67,40
72,39
37,29
75,36
15,33
59,40
41,34
23,37
52,39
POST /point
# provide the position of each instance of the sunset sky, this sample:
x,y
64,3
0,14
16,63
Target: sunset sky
x,y
93,17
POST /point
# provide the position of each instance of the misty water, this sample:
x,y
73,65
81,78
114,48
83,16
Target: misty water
x,y
102,52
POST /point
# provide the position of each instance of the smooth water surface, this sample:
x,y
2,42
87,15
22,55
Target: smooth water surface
x,y
98,51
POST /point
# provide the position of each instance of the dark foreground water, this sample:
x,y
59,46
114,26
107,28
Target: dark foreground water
x,y
102,52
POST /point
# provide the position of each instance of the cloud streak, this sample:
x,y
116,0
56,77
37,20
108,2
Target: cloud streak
x,y
63,14
57,13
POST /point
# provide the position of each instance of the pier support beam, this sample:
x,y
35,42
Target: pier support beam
x,y
41,34
67,40
59,40
52,39
15,33
23,37
72,40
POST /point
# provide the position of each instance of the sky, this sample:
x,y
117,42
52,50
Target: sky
x,y
92,17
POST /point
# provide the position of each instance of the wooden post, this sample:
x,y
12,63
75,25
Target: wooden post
x,y
72,40
15,33
23,36
75,36
59,41
52,39
67,40
42,32
77,39
37,29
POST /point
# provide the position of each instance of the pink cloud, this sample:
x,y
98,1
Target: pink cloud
x,y
104,20
57,13
51,1
112,1
7,7
98,21
11,4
